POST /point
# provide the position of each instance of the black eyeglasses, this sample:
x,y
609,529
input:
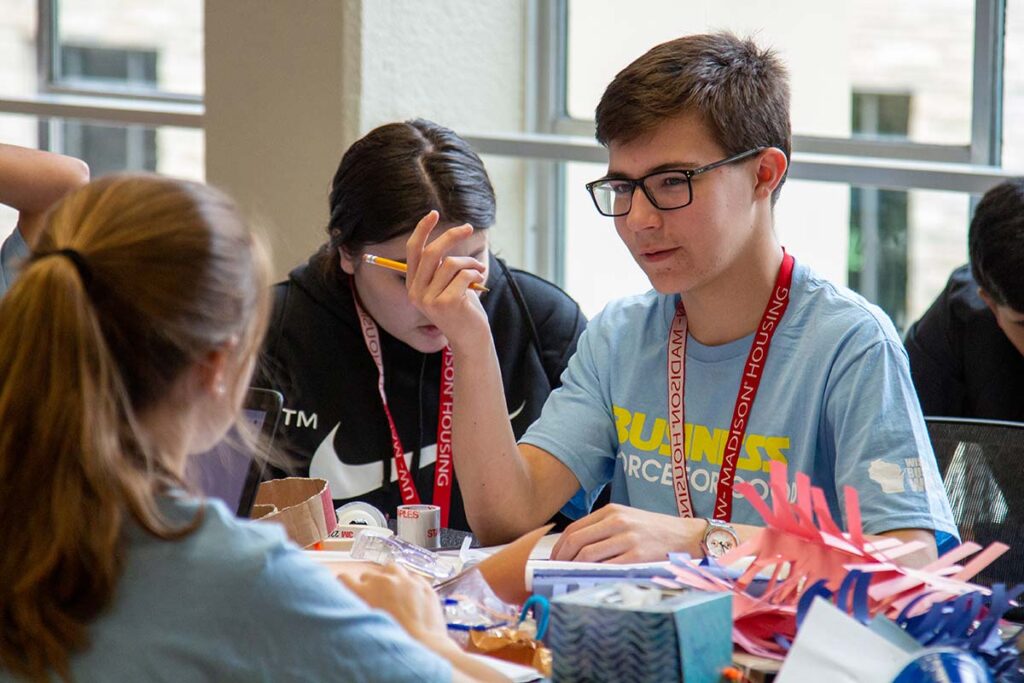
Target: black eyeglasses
x,y
665,190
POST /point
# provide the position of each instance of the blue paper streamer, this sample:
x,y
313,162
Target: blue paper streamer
x,y
959,623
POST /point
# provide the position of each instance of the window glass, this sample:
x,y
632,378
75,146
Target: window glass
x,y
1013,88
18,73
109,148
896,248
598,267
917,48
113,65
126,45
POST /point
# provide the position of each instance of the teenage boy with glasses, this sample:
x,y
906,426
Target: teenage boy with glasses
x,y
659,399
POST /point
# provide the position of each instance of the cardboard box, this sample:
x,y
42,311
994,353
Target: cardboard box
x,y
304,508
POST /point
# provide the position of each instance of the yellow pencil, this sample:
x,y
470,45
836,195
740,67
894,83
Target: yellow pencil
x,y
401,268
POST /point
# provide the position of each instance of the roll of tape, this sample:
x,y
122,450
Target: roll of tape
x,y
360,513
420,524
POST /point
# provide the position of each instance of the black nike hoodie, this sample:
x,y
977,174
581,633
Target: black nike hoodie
x,y
315,355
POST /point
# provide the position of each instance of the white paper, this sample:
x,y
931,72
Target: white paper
x,y
517,673
541,551
833,646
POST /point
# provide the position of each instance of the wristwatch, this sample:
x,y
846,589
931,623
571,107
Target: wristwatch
x,y
719,538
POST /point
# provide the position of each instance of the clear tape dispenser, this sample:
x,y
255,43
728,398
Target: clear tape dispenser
x,y
386,550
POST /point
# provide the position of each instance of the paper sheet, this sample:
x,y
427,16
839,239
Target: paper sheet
x,y
833,646
541,551
517,673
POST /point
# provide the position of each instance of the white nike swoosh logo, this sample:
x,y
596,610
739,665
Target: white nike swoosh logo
x,y
351,481
515,413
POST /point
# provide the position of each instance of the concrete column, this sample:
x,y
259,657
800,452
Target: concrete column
x,y
282,93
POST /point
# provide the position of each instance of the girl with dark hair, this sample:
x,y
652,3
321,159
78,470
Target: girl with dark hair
x,y
126,345
361,368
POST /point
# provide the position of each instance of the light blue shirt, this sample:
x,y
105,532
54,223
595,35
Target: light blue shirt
x,y
12,252
235,601
836,402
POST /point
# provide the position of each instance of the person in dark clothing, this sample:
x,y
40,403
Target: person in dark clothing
x,y
967,350
335,317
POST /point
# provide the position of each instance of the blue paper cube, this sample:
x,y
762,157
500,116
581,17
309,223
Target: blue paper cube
x,y
684,637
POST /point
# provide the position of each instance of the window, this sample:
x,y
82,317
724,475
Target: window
x,y
1013,88
878,218
105,148
118,85
881,115
896,118
113,67
911,46
598,267
172,150
937,67
134,49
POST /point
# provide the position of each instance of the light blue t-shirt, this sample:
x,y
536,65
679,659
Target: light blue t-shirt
x,y
836,402
12,252
235,601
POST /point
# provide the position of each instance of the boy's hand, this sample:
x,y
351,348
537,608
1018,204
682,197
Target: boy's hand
x,y
619,533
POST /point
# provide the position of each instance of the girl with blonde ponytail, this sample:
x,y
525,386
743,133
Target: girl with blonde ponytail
x,y
126,345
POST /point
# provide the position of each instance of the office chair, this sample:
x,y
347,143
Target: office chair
x,y
982,466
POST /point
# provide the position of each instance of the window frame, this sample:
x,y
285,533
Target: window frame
x,y
552,136
52,82
145,107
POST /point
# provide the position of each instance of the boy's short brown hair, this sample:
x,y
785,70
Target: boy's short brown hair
x,y
740,90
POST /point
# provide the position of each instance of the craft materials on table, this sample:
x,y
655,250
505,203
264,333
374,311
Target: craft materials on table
x,y
935,604
624,632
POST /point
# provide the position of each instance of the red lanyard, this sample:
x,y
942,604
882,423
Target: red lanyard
x,y
443,466
749,384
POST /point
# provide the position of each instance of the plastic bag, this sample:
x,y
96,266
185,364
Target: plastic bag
x,y
386,550
471,605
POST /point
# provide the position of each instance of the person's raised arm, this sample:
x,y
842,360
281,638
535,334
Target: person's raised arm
x,y
32,180
507,489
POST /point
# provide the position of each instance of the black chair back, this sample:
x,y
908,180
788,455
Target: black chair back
x,y
982,466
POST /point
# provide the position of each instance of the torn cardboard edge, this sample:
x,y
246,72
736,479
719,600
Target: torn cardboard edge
x,y
505,570
304,508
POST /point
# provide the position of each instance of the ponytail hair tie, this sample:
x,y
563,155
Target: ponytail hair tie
x,y
84,272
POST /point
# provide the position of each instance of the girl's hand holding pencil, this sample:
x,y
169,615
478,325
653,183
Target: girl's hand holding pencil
x,y
400,267
439,281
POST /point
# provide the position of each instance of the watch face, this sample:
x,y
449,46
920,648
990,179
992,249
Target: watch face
x,y
719,542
